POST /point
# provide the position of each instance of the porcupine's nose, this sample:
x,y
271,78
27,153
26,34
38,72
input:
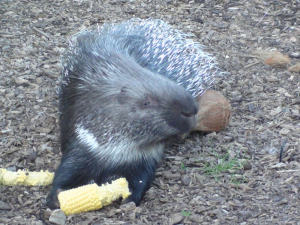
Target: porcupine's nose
x,y
189,112
190,108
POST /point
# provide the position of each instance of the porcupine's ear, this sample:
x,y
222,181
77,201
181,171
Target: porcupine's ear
x,y
123,95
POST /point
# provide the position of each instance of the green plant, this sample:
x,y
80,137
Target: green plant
x,y
183,167
237,179
186,214
223,165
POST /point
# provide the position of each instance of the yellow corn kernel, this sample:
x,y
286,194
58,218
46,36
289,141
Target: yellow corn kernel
x,y
92,197
25,178
39,178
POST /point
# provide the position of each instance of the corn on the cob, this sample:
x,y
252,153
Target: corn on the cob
x,y
25,178
92,197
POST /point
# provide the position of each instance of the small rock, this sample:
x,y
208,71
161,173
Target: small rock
x,y
272,150
283,201
293,39
43,130
39,222
113,212
247,166
216,199
52,137
200,178
236,94
128,206
137,212
277,198
39,161
196,218
294,55
47,213
58,217
4,206
12,168
185,180
251,107
172,175
164,200
196,201
245,214
217,213
49,74
294,68
176,218
20,81
32,156
284,131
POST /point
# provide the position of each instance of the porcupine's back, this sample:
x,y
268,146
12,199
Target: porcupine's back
x,y
162,49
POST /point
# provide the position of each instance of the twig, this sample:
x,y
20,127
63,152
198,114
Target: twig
x,y
287,171
251,64
266,13
294,102
277,125
281,150
41,32
49,74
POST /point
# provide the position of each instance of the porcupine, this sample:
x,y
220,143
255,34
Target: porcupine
x,y
126,89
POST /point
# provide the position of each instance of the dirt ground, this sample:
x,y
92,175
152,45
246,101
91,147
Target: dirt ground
x,y
230,177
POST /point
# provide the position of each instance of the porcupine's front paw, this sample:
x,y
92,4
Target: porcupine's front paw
x,y
52,199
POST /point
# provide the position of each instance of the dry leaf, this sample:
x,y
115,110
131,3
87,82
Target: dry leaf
x,y
274,58
294,68
20,80
278,165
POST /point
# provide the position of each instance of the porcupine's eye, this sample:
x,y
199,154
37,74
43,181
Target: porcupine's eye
x,y
149,102
146,104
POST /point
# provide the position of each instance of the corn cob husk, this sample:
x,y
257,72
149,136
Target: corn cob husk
x,y
22,177
92,197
